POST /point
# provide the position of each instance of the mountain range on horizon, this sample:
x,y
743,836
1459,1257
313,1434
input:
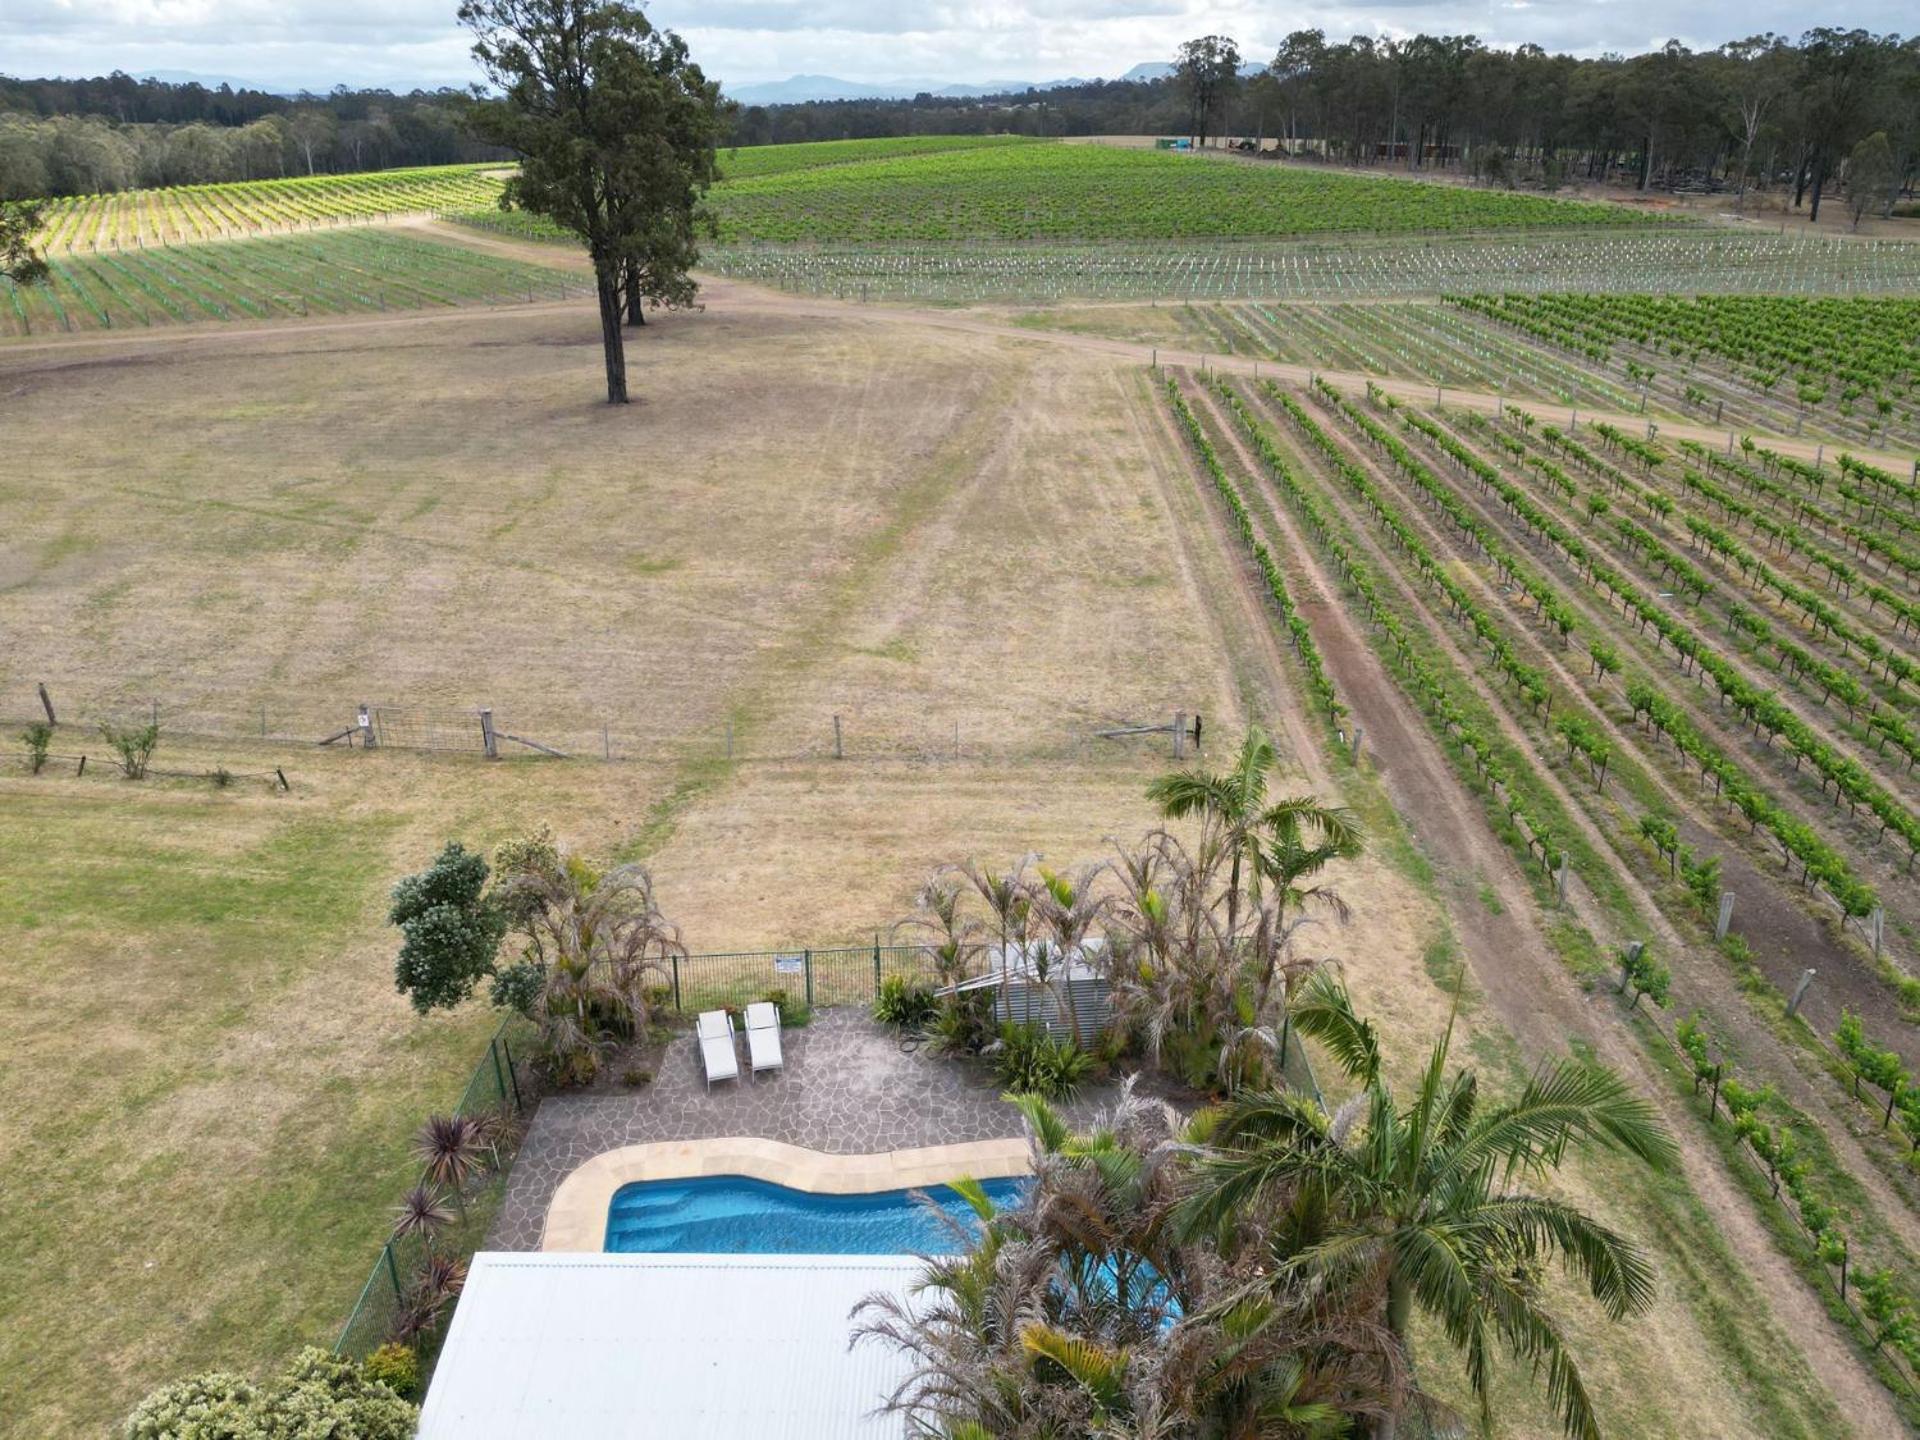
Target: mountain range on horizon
x,y
798,89
794,90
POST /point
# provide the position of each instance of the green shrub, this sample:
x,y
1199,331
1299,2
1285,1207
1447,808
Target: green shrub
x,y
450,930
1644,975
904,1004
134,744
1032,1062
518,986
965,1024
1193,1056
633,1077
212,1406
318,1394
38,738
395,1366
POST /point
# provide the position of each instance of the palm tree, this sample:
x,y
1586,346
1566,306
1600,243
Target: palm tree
x,y
1065,908
953,934
1305,838
1232,807
1411,1205
601,944
1007,900
453,1148
1082,1310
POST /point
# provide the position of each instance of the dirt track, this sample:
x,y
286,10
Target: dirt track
x,y
736,297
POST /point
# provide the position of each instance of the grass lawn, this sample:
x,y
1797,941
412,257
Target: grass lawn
x,y
212,1099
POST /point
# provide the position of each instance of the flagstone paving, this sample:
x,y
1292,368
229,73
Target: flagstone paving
x,y
847,1089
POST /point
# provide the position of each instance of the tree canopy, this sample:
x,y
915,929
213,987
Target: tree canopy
x,y
19,262
1207,71
450,930
615,127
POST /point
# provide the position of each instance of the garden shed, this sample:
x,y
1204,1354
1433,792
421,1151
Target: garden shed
x,y
1030,984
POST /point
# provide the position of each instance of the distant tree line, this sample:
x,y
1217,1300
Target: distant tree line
x,y
80,137
1765,111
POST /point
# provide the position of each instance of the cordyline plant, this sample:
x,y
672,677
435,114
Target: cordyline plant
x,y
454,1148
422,1211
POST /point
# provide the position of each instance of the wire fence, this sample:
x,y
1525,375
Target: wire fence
x,y
499,1089
848,975
906,733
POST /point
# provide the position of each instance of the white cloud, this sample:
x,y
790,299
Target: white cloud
x,y
402,43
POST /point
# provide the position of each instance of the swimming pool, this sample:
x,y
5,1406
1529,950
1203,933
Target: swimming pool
x,y
733,1215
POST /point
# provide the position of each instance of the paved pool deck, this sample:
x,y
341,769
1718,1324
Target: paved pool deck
x,y
847,1089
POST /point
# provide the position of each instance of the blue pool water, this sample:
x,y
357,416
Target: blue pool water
x,y
732,1215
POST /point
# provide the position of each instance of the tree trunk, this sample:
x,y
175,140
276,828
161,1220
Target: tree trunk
x,y
636,306
607,282
1819,182
1399,1317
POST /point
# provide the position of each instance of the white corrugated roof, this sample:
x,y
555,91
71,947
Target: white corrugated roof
x,y
664,1347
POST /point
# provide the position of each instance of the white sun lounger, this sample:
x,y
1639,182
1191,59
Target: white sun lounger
x,y
716,1047
763,1036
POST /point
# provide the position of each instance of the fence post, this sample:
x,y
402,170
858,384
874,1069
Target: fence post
x,y
876,964
487,740
1726,916
1800,991
513,1080
838,752
499,1078
393,1271
46,704
806,962
676,985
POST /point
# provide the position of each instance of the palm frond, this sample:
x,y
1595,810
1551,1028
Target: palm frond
x,y
1324,1010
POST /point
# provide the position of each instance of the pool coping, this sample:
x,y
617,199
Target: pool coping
x,y
577,1215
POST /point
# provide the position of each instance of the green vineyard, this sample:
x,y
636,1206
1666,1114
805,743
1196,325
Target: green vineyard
x,y
1858,358
338,272
1643,671
1089,192
181,214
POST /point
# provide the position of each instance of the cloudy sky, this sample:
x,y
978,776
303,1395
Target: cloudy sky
x,y
402,43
